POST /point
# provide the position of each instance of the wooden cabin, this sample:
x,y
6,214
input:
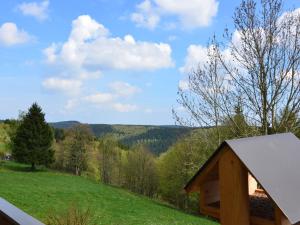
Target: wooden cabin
x,y
251,181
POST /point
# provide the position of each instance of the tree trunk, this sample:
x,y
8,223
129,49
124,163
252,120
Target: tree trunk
x,y
33,166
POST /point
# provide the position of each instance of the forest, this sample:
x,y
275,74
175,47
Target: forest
x,y
156,138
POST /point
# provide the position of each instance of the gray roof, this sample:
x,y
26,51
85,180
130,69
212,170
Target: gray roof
x,y
274,161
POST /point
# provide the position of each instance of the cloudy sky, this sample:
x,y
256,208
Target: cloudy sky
x,y
104,61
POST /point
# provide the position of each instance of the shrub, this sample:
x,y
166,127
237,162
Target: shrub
x,y
72,216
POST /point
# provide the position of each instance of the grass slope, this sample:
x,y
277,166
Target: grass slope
x,y
42,192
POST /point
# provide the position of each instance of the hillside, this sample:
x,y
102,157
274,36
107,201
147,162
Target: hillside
x,y
42,192
157,138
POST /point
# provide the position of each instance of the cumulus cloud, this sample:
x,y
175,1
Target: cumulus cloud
x,y
190,13
111,100
124,89
68,86
145,15
89,45
89,51
124,107
196,54
11,35
100,98
38,10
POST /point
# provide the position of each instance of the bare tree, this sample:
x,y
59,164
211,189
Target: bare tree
x,y
255,67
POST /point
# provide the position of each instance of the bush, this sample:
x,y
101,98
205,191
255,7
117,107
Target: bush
x,y
73,216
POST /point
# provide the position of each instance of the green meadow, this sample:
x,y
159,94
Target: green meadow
x,y
43,192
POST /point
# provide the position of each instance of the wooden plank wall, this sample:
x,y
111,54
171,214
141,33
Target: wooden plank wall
x,y
234,201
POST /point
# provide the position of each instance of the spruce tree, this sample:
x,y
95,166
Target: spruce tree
x,y
33,140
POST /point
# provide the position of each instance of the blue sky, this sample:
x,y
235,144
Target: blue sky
x,y
103,61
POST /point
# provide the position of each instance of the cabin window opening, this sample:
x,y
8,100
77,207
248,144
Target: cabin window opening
x,y
261,205
210,196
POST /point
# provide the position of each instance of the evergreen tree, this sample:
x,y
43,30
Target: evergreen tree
x,y
33,140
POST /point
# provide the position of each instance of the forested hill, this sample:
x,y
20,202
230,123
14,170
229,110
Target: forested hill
x,y
156,138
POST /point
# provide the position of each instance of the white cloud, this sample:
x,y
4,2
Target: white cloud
x,y
88,51
50,53
68,86
190,13
85,74
145,17
71,104
100,98
124,107
183,85
196,54
11,35
124,89
89,45
38,10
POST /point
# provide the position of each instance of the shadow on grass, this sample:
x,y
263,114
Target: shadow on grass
x,y
13,166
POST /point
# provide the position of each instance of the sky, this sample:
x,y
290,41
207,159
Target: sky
x,y
103,61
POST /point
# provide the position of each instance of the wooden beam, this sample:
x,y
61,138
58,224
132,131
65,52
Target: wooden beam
x,y
204,176
234,190
280,218
211,211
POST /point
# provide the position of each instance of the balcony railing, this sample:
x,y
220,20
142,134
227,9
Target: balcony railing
x,y
11,215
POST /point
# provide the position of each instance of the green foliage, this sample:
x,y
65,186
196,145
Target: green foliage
x,y
7,132
59,134
32,142
156,138
78,141
236,126
140,173
73,216
41,192
4,140
179,164
109,161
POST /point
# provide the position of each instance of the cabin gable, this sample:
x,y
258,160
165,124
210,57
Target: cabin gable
x,y
230,193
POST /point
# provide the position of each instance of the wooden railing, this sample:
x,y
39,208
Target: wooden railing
x,y
11,215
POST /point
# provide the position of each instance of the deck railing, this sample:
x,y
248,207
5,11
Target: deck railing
x,y
11,215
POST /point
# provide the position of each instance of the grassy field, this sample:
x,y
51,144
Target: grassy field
x,y
44,192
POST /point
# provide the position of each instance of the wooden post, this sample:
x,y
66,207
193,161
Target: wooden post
x,y
234,190
280,218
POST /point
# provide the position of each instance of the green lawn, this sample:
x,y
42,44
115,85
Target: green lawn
x,y
39,193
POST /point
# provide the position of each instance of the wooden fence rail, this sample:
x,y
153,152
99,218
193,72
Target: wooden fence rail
x,y
11,215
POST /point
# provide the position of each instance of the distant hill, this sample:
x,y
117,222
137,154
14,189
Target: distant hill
x,y
65,124
157,138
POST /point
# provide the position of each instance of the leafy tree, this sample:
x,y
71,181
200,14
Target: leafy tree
x,y
78,141
179,164
140,172
59,134
33,140
109,160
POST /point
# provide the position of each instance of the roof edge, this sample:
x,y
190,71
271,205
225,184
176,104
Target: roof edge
x,y
202,168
